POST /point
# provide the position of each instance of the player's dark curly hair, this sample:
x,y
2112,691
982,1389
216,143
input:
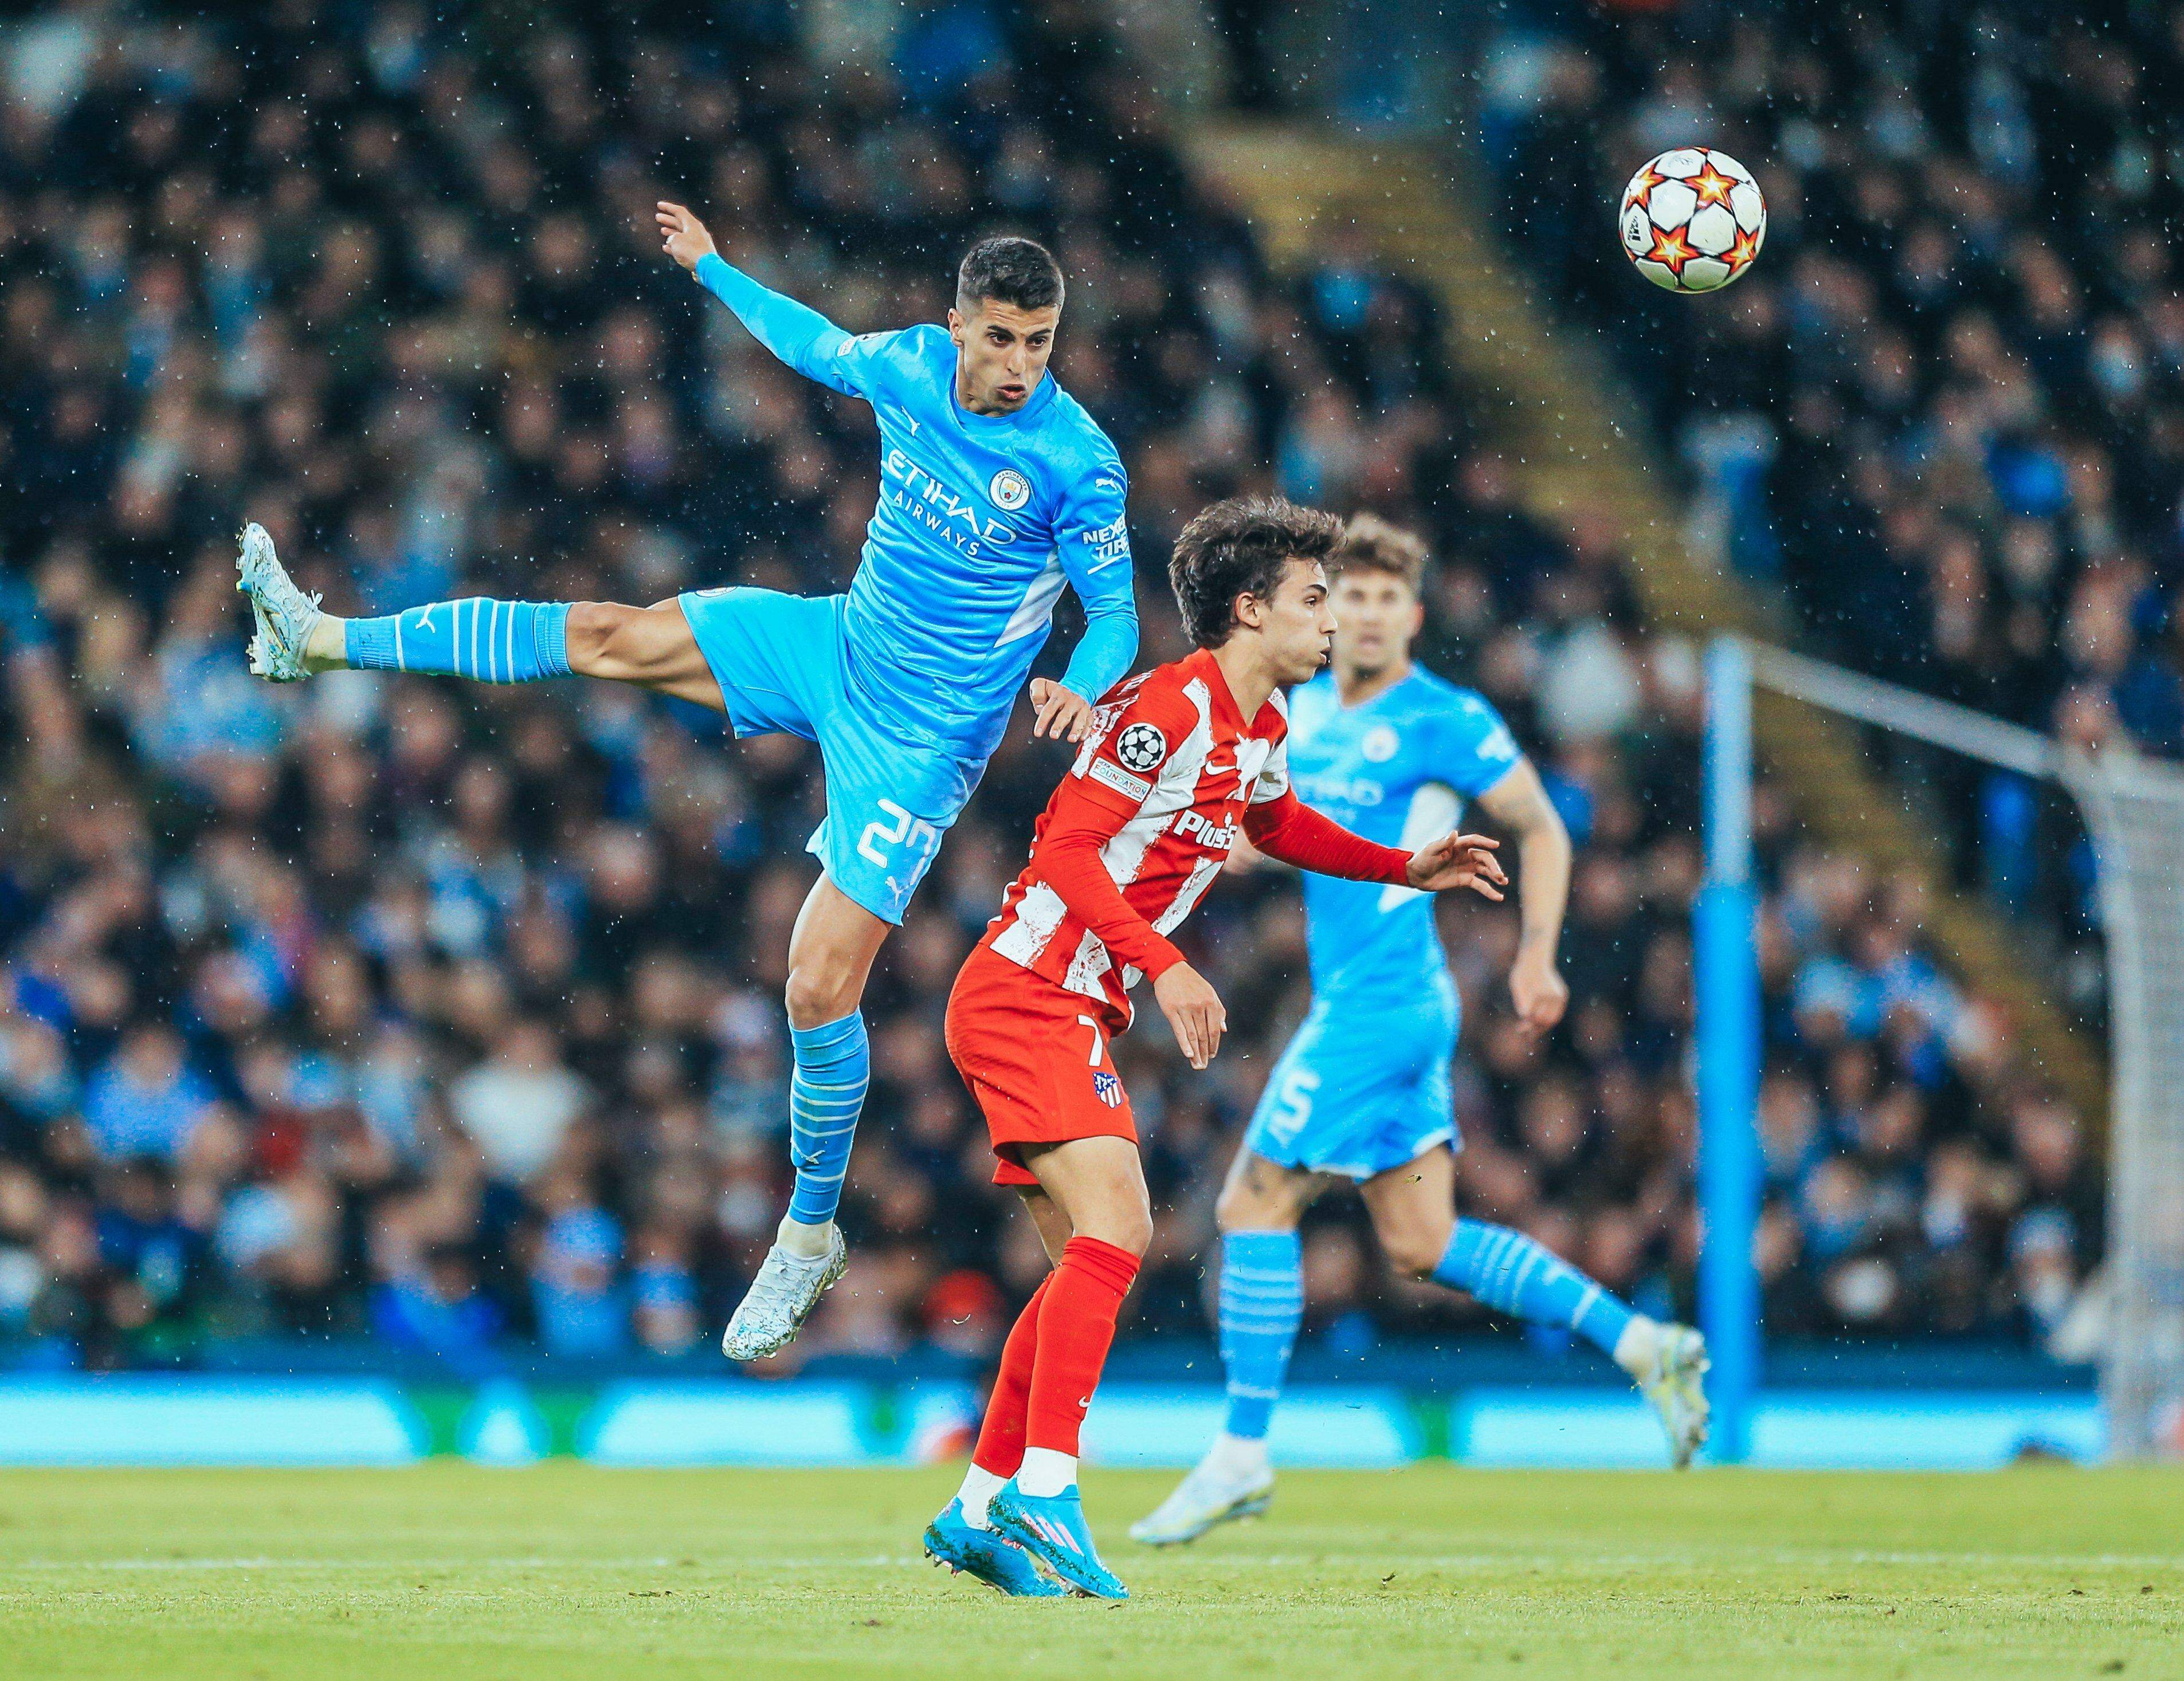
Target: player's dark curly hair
x,y
1240,547
1021,272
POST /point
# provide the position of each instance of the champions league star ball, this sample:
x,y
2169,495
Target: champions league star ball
x,y
1692,220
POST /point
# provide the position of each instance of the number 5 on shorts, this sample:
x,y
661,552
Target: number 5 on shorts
x,y
1293,1104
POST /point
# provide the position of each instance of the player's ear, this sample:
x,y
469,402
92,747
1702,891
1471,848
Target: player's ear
x,y
955,327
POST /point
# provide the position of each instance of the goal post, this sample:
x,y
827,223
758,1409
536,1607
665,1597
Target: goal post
x,y
2134,809
1726,975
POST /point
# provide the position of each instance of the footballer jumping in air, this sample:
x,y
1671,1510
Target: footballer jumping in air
x,y
1362,1091
996,490
1179,760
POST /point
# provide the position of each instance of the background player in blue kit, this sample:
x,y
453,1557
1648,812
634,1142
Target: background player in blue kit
x,y
1362,1092
997,491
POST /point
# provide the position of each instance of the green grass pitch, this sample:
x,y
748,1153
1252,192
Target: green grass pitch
x,y
451,1572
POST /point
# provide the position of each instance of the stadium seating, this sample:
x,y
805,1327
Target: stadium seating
x,y
436,1022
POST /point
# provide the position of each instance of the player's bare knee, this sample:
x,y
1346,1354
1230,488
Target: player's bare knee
x,y
599,639
1412,1252
1129,1229
816,994
1257,1197
1236,1210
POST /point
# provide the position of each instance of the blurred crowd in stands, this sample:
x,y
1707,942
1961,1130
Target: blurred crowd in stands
x,y
444,1020
1947,412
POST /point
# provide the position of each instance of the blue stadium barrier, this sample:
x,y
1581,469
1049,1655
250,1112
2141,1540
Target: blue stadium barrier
x,y
185,1421
503,1427
179,1420
732,1423
1355,1428
1845,1431
1924,1433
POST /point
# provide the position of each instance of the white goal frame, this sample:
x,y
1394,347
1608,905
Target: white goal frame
x,y
2134,809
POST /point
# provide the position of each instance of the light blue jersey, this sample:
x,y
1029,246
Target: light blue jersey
x,y
982,519
906,681
1364,1085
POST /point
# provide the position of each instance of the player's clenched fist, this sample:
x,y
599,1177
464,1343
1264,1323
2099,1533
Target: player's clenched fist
x,y
683,234
1193,1009
1458,861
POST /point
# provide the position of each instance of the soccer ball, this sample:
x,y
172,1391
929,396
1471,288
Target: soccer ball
x,y
1692,220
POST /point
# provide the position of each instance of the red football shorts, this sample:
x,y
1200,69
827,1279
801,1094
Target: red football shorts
x,y
1035,1057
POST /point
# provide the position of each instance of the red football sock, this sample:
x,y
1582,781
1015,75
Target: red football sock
x,y
1001,1435
1075,1326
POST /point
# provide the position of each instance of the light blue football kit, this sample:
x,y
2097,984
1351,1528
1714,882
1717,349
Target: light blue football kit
x,y
906,681
1364,1085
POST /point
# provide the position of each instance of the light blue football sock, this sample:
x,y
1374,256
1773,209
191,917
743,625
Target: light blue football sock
x,y
1261,1304
833,1066
1513,1274
496,642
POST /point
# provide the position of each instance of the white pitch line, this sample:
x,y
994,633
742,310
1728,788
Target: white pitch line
x,y
401,1565
1815,1558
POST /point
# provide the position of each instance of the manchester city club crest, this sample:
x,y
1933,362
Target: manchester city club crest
x,y
1010,489
1108,1086
1379,744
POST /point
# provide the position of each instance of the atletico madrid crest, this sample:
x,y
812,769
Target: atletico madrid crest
x,y
1108,1086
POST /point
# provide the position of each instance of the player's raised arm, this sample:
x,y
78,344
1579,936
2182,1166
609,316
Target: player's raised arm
x,y
795,332
1285,828
1091,534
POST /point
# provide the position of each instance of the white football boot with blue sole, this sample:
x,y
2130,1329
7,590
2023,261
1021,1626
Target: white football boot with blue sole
x,y
285,616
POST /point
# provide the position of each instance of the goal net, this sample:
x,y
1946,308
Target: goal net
x,y
2134,811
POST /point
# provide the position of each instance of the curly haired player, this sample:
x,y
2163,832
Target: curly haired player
x,y
1179,761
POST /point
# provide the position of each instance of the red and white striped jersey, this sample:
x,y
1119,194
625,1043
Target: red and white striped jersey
x,y
1146,814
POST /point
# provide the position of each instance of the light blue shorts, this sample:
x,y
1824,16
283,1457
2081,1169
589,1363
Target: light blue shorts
x,y
1360,1091
782,665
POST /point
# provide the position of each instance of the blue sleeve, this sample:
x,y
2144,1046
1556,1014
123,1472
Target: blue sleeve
x,y
1475,748
1091,534
796,332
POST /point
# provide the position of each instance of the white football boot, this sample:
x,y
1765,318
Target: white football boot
x,y
1674,1380
781,1297
1214,1493
285,615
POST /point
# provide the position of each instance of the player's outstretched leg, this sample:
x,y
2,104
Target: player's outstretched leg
x,y
1513,1274
486,640
1261,1305
496,642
